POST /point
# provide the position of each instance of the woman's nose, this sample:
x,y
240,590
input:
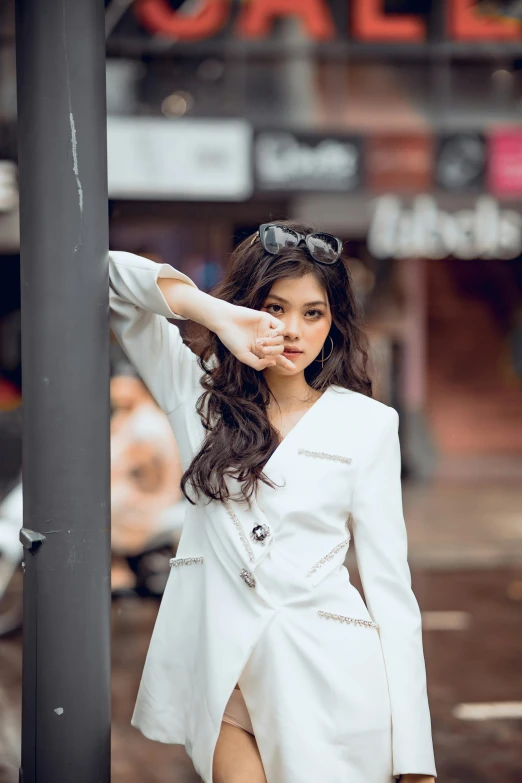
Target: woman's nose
x,y
292,327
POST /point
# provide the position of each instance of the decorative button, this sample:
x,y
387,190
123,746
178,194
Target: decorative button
x,y
248,578
259,533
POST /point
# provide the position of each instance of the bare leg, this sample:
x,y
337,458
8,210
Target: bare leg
x,y
236,758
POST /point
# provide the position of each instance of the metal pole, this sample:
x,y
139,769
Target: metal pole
x,y
65,358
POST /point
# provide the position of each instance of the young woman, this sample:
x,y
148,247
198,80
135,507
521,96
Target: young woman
x,y
265,662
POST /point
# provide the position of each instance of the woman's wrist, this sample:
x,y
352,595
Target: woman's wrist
x,y
216,313
192,303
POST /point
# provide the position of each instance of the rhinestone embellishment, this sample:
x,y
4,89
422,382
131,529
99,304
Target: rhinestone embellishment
x,y
325,455
343,545
247,577
260,533
348,620
179,561
240,531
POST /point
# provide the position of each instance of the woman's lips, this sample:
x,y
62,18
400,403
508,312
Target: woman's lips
x,y
292,354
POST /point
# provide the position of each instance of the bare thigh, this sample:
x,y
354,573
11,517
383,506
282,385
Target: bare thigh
x,y
236,758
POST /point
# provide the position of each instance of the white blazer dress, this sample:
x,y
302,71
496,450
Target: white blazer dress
x,y
335,687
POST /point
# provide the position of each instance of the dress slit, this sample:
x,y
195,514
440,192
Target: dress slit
x,y
236,712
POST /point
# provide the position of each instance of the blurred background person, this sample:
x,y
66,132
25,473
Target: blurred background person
x,y
146,502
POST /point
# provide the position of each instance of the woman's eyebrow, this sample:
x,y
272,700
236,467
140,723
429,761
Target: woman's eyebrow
x,y
306,304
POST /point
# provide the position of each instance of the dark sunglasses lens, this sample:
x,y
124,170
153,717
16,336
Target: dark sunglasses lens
x,y
276,238
324,248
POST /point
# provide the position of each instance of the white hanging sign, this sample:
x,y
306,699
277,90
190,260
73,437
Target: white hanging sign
x,y
189,159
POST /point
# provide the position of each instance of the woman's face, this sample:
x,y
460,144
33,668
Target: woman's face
x,y
127,392
302,304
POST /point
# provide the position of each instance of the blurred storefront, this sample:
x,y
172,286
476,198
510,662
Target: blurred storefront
x,y
396,124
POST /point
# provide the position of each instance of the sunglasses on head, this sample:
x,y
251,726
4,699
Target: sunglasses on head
x,y
324,248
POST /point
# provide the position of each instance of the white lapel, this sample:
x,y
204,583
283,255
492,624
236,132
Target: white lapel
x,y
256,528
284,450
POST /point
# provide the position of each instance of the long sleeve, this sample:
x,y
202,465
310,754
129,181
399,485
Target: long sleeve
x,y
381,550
139,315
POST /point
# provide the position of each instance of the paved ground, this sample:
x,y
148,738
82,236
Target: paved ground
x,y
466,554
464,519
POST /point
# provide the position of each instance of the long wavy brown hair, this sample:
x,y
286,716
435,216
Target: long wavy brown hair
x,y
233,407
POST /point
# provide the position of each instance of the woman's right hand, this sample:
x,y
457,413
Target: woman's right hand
x,y
254,337
237,327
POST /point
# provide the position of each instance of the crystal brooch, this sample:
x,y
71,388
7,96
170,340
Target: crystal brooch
x,y
260,533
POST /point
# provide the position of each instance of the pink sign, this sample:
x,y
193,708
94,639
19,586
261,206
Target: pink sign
x,y
505,162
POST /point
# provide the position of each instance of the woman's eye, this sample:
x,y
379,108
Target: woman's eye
x,y
274,305
317,313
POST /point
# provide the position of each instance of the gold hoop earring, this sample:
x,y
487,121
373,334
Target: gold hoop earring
x,y
323,359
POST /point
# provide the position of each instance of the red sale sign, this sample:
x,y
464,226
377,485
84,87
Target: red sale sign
x,y
368,20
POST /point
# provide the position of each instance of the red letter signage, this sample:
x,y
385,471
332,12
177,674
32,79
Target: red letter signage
x,y
158,17
466,24
370,23
257,17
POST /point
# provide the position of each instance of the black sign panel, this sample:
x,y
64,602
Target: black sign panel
x,y
288,161
461,162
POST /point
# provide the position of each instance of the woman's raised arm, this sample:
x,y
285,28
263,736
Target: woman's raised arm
x,y
145,294
139,315
240,329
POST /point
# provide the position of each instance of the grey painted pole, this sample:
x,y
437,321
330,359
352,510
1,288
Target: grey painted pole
x,y
65,356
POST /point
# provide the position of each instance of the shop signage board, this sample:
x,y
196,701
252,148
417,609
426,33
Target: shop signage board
x,y
423,230
362,20
505,162
401,162
290,161
156,158
460,162
224,160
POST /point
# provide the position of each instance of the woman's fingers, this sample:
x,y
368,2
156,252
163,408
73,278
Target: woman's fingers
x,y
276,352
275,359
284,362
272,349
262,363
273,328
276,340
256,362
268,345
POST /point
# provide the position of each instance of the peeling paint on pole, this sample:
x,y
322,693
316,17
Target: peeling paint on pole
x,y
74,143
75,161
